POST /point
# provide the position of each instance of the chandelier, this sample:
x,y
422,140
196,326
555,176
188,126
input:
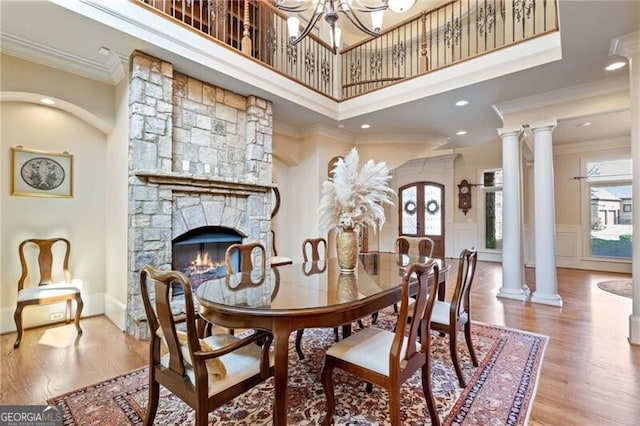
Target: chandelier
x,y
329,10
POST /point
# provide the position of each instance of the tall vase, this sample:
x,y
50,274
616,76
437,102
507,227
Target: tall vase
x,y
347,249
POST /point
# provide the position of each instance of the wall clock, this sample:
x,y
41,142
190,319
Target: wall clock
x,y
464,196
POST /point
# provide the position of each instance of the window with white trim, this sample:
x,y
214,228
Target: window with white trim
x,y
491,197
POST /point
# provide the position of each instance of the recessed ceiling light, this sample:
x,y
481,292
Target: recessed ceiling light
x,y
585,124
47,101
104,50
462,102
615,65
340,126
365,126
461,132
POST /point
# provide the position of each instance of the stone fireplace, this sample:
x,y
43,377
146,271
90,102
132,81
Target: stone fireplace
x,y
199,166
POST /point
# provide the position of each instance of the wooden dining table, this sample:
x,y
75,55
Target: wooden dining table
x,y
304,295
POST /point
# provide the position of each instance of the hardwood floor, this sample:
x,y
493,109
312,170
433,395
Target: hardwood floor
x,y
590,374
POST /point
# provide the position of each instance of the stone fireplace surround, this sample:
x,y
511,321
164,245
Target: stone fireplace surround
x,y
199,156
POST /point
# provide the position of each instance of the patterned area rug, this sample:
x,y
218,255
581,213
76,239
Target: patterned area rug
x,y
619,287
499,392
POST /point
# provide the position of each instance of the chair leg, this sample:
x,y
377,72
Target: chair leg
x,y
327,385
67,314
395,308
454,358
79,306
360,324
17,317
374,317
336,335
152,404
428,394
394,406
467,337
202,417
299,334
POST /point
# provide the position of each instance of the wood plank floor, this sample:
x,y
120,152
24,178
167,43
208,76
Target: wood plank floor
x,y
590,374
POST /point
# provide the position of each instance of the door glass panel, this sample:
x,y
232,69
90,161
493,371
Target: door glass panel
x,y
409,210
493,222
432,210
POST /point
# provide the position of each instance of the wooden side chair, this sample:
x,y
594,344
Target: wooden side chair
x,y
425,249
47,291
451,317
204,373
314,250
251,254
277,260
387,358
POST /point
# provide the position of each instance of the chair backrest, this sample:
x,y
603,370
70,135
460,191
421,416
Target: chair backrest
x,y
249,253
314,249
274,250
45,260
157,306
425,277
466,271
425,246
402,246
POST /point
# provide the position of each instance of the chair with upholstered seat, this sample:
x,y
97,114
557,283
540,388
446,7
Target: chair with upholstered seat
x,y
204,373
388,359
276,259
47,291
451,317
425,249
314,250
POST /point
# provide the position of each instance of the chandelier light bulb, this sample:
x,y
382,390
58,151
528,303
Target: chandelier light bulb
x,y
293,26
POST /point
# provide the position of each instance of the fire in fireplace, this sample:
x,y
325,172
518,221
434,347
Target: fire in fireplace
x,y
199,253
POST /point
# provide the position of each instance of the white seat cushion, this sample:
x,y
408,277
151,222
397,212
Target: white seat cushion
x,y
49,290
239,365
280,260
440,313
368,348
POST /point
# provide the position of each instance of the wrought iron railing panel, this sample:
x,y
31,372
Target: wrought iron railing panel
x,y
432,39
258,29
443,36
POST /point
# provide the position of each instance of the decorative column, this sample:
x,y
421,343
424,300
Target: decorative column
x,y
513,286
545,215
629,47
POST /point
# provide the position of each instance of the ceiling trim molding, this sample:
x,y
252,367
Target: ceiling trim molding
x,y
581,91
316,130
401,138
625,45
111,72
595,145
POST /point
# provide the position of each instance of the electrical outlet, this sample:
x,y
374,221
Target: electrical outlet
x,y
56,316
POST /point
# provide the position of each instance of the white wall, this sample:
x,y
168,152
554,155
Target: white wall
x,y
80,219
116,200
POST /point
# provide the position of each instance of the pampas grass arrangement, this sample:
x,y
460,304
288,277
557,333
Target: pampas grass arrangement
x,y
356,196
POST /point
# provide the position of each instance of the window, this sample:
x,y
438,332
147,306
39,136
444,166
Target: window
x,y
610,208
421,209
491,191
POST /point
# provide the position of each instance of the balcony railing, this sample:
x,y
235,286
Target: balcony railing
x,y
433,39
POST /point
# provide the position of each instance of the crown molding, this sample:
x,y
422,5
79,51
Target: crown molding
x,y
329,132
625,45
595,145
110,72
581,91
401,138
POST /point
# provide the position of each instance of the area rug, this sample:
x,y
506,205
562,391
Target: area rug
x,y
619,287
500,390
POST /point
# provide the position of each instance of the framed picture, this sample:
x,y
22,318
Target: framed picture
x,y
41,174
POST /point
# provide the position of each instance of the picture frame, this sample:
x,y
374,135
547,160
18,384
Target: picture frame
x,y
36,173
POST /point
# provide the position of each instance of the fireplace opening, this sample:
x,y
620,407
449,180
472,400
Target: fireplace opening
x,y
199,253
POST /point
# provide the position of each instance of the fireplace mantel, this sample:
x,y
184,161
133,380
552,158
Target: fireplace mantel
x,y
189,183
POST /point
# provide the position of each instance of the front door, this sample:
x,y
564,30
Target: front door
x,y
421,213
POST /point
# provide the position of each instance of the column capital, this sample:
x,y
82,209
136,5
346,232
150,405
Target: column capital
x,y
543,125
625,45
509,131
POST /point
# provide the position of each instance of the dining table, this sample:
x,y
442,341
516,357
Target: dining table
x,y
317,294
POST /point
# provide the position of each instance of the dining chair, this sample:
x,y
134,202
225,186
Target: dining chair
x,y
48,290
277,260
204,373
451,317
388,359
425,249
314,250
